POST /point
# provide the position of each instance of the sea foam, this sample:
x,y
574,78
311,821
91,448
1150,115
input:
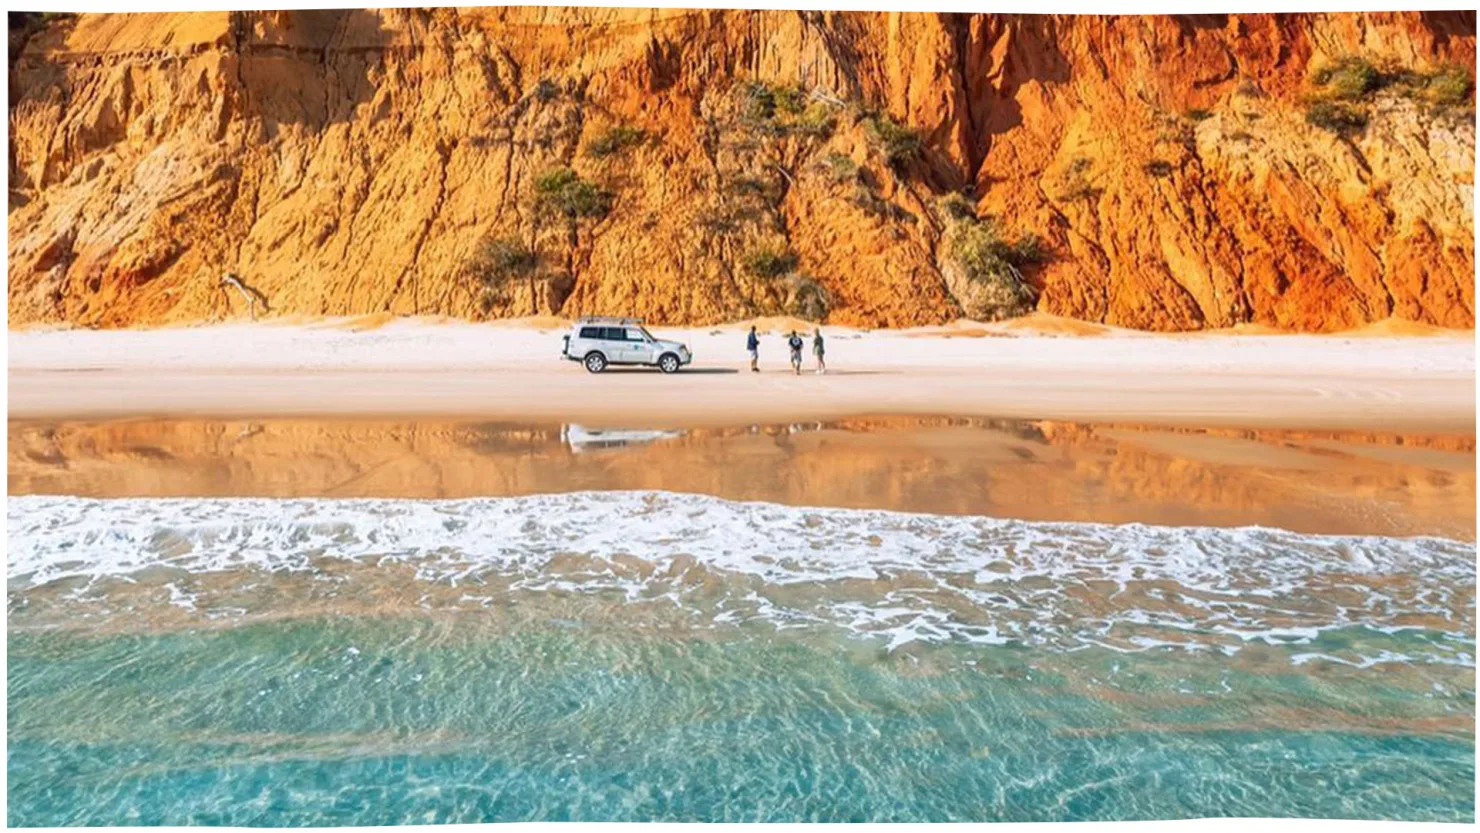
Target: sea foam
x,y
903,577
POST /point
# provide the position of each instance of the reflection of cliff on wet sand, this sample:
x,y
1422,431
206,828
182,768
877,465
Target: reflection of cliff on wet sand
x,y
1305,481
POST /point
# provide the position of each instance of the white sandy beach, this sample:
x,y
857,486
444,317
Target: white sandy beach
x,y
514,371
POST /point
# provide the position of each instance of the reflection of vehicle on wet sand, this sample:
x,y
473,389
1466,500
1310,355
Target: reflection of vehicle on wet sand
x,y
579,438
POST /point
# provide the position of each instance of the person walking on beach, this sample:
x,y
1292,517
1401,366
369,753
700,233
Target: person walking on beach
x,y
817,350
795,343
753,344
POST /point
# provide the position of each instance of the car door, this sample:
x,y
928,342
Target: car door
x,y
638,349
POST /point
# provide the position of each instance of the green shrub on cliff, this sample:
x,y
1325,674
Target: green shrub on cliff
x,y
1336,116
806,298
563,191
784,110
758,102
1030,248
615,140
981,251
768,261
497,263
1450,86
957,207
897,143
841,167
992,267
789,100
1347,79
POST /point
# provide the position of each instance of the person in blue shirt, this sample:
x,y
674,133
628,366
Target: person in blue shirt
x,y
753,344
795,343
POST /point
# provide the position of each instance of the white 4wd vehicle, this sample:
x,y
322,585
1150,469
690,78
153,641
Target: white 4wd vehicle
x,y
600,342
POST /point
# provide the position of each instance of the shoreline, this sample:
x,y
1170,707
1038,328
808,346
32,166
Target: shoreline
x,y
1307,482
514,373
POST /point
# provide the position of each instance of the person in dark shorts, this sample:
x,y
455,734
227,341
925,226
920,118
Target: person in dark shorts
x,y
818,351
795,343
753,345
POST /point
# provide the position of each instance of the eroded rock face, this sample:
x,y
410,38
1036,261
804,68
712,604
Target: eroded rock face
x,y
345,162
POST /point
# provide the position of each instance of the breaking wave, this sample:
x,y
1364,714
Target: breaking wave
x,y
898,577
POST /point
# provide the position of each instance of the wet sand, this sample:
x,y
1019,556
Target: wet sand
x,y
481,372
1315,482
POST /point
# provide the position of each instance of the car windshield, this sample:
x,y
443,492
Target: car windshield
x,y
646,333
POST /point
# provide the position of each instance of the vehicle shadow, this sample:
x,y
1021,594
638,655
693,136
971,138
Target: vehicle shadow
x,y
682,371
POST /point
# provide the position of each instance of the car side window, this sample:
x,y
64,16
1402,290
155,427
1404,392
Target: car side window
x,y
635,335
591,332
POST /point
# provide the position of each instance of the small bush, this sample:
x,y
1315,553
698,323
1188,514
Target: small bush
x,y
1240,136
615,140
768,261
789,100
981,248
957,207
758,102
842,167
499,260
1449,86
1336,116
552,181
987,262
807,299
817,120
980,251
1347,79
778,111
546,90
563,191
1029,249
1158,168
1196,114
898,143
869,200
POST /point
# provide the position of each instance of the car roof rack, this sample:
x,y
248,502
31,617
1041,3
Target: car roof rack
x,y
607,319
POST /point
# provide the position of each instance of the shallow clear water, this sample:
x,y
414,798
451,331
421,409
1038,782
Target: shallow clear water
x,y
656,656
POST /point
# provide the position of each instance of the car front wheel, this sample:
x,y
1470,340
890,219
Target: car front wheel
x,y
668,363
595,362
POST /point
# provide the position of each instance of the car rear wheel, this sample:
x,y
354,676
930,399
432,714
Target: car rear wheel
x,y
668,363
595,362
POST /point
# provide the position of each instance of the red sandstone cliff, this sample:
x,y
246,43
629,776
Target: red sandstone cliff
x,y
345,162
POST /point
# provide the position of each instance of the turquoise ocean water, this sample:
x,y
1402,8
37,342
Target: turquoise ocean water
x,y
656,656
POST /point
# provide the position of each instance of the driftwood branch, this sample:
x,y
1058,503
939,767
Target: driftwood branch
x,y
251,295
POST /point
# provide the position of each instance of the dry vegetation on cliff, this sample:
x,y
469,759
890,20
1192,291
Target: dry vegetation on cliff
x,y
1309,172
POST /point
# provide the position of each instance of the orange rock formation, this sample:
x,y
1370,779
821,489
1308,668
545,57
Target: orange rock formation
x,y
347,162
